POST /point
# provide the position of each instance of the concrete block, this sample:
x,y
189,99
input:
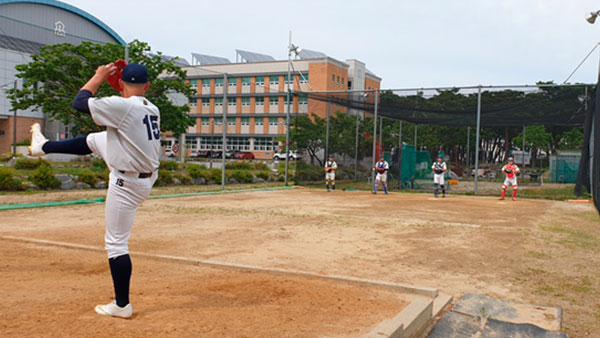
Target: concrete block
x,y
440,303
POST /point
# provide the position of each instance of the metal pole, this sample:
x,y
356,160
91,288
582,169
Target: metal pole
x,y
15,122
523,149
287,115
477,139
415,136
374,137
468,147
127,53
356,150
380,134
224,146
400,157
327,134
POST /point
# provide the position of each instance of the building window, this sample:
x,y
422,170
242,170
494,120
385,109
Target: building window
x,y
238,143
206,83
218,121
333,80
264,144
288,80
342,83
205,102
274,80
245,121
231,122
218,102
194,84
191,142
232,81
193,101
211,142
272,121
349,85
291,99
260,80
245,101
302,100
219,82
245,81
273,100
304,79
259,121
260,100
231,101
205,121
338,81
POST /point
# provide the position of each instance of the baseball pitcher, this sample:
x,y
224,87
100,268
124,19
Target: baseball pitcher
x,y
130,146
330,167
511,170
439,168
381,167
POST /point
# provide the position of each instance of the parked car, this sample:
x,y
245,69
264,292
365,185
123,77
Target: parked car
x,y
243,155
293,155
231,153
194,154
169,153
216,154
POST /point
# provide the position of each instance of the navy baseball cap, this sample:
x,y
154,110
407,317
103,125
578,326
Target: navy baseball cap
x,y
135,73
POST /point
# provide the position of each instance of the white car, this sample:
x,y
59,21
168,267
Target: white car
x,y
293,155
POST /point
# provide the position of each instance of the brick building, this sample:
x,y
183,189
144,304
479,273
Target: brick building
x,y
256,97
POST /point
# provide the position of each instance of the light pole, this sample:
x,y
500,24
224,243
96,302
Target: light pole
x,y
591,18
296,50
6,88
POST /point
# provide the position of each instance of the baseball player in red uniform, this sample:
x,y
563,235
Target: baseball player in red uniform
x,y
130,146
511,170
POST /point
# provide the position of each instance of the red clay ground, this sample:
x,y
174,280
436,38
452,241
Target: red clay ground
x,y
51,292
530,251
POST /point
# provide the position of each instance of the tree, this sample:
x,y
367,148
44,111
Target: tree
x,y
57,72
536,138
308,133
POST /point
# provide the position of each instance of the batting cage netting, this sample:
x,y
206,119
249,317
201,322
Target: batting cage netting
x,y
406,126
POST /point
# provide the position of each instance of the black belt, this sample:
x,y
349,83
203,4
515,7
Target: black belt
x,y
141,175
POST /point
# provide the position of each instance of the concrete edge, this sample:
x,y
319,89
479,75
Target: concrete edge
x,y
440,303
409,323
404,288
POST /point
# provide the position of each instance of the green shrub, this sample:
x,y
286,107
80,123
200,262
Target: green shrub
x,y
98,164
44,178
88,177
8,182
242,176
24,143
196,171
168,165
5,157
263,174
28,163
165,177
309,173
261,166
103,176
183,179
239,165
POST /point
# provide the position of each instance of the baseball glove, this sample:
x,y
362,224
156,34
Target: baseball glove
x,y
113,80
508,171
380,170
329,170
438,171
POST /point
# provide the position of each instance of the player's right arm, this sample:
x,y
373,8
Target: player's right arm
x,y
86,92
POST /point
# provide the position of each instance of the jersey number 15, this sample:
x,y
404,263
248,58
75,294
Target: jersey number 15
x,y
151,123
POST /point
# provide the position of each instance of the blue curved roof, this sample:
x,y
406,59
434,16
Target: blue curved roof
x,y
74,10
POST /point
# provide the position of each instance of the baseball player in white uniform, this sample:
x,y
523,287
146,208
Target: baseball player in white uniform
x,y
330,167
130,146
511,170
439,169
381,167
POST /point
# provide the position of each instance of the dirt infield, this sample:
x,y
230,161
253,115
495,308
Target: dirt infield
x,y
531,251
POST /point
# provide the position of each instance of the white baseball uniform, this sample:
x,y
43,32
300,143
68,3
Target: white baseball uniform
x,y
382,177
130,146
438,178
330,175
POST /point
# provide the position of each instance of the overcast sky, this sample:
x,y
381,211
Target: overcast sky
x,y
407,43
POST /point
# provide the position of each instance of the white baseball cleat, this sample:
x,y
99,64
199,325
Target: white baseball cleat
x,y
37,141
112,309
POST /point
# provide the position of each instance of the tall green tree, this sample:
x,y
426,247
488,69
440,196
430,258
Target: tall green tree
x,y
57,72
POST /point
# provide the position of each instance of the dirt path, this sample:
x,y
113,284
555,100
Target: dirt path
x,y
533,251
